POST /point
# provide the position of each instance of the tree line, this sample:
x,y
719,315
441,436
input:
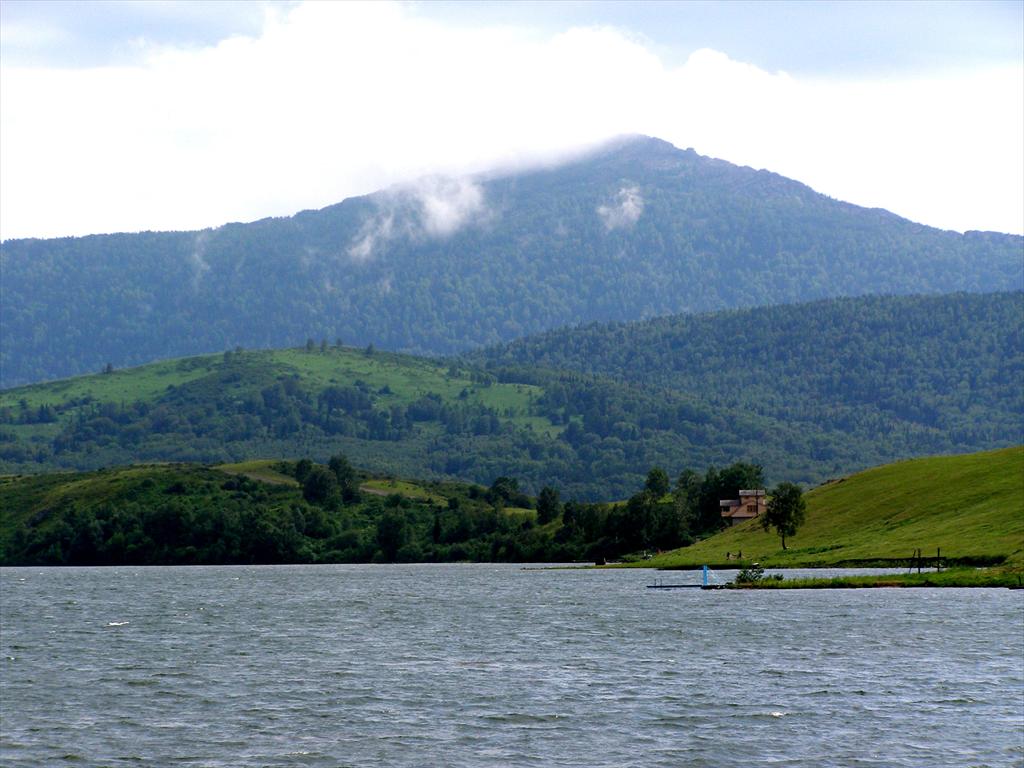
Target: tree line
x,y
187,514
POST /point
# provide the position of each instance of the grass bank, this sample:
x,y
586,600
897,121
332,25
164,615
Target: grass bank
x,y
970,507
955,577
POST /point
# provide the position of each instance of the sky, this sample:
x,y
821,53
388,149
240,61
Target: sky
x,y
141,115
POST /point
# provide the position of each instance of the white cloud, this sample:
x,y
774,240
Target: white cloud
x,y
198,258
447,204
624,211
376,231
338,99
433,206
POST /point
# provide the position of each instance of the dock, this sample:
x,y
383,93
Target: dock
x,y
703,585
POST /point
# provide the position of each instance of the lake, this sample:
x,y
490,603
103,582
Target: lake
x,y
495,665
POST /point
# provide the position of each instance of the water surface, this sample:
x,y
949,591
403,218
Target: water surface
x,y
493,665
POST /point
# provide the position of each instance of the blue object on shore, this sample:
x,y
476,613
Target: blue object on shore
x,y
705,575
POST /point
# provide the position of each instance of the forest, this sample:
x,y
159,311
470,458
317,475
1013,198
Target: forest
x,y
304,512
637,230
858,366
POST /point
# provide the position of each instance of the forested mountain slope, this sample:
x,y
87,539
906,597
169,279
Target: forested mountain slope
x,y
809,392
635,230
949,365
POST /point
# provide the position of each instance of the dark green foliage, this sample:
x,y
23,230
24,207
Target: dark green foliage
x,y
711,235
895,376
302,469
345,474
505,491
657,482
321,487
548,505
170,515
833,387
392,534
186,514
786,510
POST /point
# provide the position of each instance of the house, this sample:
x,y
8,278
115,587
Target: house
x,y
749,504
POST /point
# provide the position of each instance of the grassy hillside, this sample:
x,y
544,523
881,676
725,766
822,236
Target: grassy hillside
x,y
404,377
972,507
385,409
590,437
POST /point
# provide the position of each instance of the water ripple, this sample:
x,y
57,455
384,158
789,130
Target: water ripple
x,y
494,666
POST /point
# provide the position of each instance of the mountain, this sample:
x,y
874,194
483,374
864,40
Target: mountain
x,y
808,392
634,230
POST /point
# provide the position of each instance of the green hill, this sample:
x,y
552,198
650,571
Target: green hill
x,y
808,392
942,373
971,507
389,413
637,229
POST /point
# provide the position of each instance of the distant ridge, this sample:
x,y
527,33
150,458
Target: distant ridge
x,y
873,366
633,230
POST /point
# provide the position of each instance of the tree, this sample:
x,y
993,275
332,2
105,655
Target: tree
x,y
502,489
392,533
657,483
302,469
348,481
548,505
688,485
320,487
634,521
741,475
786,510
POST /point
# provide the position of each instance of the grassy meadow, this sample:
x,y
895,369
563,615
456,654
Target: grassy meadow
x,y
971,507
397,380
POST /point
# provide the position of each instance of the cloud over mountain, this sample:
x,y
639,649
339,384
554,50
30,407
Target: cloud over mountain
x,y
432,207
333,100
624,211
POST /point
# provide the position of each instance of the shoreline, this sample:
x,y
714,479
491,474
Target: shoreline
x,y
961,578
